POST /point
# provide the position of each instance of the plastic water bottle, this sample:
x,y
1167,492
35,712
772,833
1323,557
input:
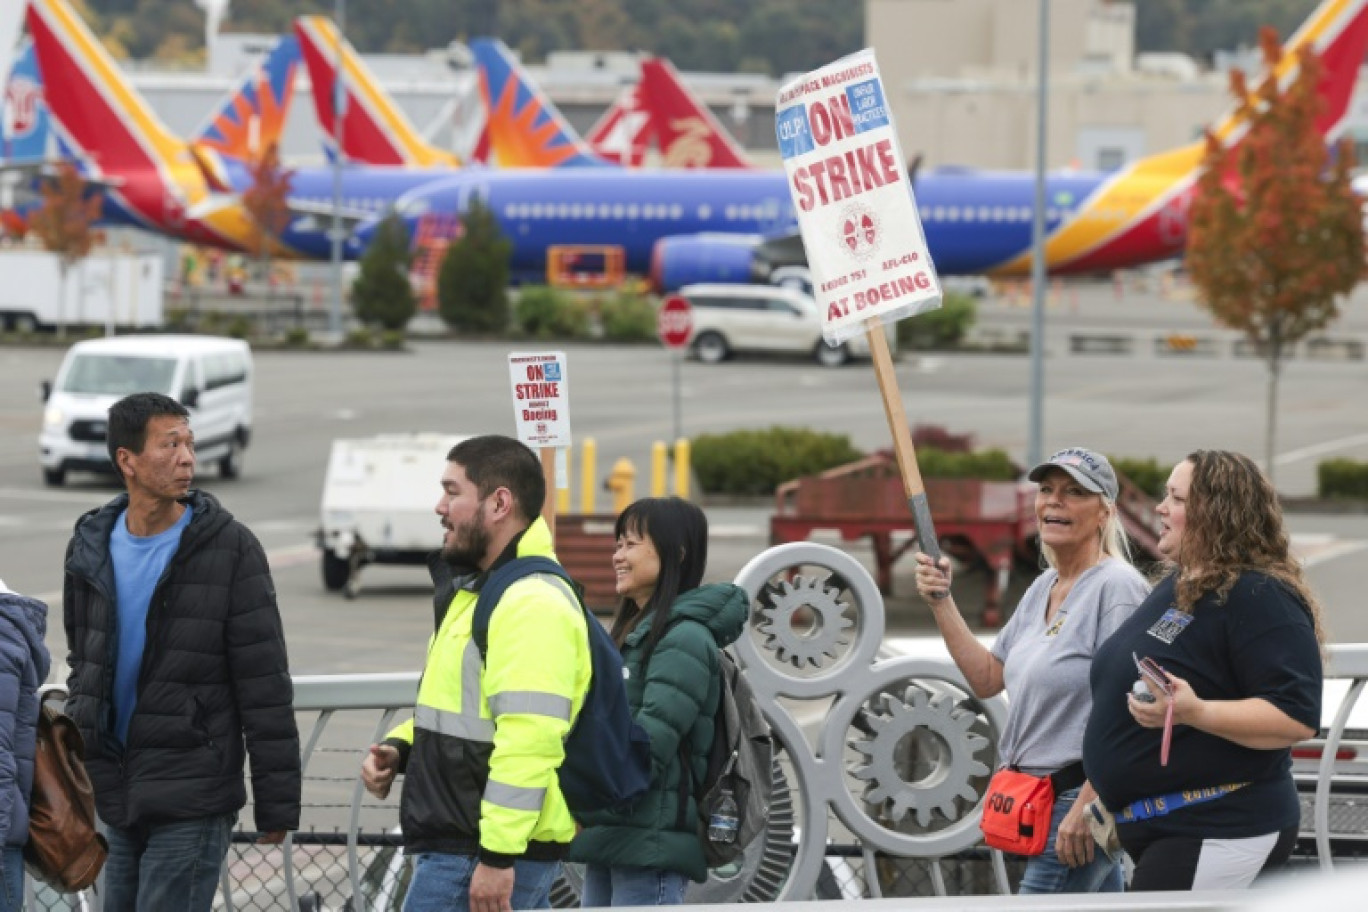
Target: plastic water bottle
x,y
724,820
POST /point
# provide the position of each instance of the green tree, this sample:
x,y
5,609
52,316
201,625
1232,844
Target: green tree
x,y
1276,232
472,284
382,292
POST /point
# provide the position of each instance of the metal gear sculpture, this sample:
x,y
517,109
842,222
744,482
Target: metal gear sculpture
x,y
891,737
825,638
919,710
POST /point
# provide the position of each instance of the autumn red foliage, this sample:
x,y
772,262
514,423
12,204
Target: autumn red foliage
x,y
1276,234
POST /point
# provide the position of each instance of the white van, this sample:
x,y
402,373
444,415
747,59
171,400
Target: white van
x,y
211,376
763,318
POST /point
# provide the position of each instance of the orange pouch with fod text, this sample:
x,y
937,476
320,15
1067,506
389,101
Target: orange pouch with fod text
x,y
1016,812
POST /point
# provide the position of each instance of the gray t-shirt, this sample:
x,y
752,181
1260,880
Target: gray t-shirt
x,y
1045,667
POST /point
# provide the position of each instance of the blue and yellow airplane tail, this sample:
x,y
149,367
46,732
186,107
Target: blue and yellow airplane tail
x,y
374,130
525,129
1141,212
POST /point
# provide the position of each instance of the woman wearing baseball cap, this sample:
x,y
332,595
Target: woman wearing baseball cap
x,y
1043,655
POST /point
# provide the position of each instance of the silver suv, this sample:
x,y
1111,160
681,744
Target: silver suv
x,y
762,318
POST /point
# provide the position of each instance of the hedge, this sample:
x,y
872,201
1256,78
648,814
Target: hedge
x,y
757,462
1146,474
1342,478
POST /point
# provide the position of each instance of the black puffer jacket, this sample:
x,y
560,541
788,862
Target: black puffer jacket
x,y
214,684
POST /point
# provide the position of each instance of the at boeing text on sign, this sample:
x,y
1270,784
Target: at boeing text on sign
x,y
864,240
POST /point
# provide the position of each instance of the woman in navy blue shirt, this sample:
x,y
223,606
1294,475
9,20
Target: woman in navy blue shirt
x,y
1237,634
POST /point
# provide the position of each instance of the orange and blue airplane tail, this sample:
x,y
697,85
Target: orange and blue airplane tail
x,y
688,134
525,129
252,116
623,134
1141,212
375,131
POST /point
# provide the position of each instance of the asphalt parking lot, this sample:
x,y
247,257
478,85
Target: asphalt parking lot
x,y
621,397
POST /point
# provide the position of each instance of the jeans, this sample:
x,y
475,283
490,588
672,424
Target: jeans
x,y
605,886
441,883
11,879
1045,873
167,865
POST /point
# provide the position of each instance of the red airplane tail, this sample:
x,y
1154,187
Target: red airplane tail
x,y
688,134
623,134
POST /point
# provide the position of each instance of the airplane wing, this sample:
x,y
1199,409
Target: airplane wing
x,y
321,214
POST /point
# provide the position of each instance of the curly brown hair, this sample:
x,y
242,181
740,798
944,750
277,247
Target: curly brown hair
x,y
1234,525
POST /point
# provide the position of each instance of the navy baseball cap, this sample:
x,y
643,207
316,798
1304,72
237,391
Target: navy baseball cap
x,y
1088,468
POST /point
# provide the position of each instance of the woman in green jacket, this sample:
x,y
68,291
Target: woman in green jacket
x,y
669,628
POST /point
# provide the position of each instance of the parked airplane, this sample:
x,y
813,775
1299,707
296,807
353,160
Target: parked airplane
x,y
690,226
26,136
623,133
152,179
375,130
686,132
192,190
525,129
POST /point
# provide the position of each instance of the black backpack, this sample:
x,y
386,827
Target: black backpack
x,y
734,793
607,755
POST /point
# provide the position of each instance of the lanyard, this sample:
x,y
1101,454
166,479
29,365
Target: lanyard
x,y
1147,808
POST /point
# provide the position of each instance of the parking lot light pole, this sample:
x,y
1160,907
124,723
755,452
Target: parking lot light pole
x,y
1035,442
336,235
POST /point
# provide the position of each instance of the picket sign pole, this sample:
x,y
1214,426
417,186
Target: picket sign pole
x,y
902,439
548,461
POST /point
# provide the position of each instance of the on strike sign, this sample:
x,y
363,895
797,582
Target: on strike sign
x,y
856,212
541,398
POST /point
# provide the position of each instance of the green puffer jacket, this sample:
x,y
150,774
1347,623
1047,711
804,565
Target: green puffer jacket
x,y
676,700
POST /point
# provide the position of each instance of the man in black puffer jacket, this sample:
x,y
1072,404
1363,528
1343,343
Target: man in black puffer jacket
x,y
178,669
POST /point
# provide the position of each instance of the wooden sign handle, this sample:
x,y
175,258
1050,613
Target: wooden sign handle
x,y
548,461
906,456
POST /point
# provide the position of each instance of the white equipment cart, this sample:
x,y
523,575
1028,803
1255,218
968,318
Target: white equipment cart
x,y
378,500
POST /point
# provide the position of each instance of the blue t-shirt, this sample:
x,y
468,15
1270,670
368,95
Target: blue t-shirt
x,y
138,565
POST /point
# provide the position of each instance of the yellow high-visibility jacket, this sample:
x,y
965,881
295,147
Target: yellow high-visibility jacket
x,y
481,754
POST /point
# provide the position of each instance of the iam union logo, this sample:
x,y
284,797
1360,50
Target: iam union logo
x,y
23,97
860,232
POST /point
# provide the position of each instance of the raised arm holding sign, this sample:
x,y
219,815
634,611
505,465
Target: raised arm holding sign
x,y
859,223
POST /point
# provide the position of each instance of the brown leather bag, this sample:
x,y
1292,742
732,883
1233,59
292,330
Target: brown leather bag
x,y
63,850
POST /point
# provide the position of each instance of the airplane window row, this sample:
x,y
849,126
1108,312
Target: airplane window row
x,y
650,211
984,214
372,204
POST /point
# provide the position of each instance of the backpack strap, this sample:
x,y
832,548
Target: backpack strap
x,y
686,776
497,583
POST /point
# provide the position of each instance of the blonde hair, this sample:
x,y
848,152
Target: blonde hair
x,y
1234,524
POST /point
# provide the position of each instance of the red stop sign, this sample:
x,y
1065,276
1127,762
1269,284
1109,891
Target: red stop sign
x,y
674,322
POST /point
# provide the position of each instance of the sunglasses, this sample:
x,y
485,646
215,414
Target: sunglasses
x,y
1157,678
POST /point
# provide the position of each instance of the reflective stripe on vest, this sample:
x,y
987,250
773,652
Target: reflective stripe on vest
x,y
514,797
530,702
468,723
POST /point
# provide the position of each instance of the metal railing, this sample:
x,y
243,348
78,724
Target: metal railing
x,y
346,853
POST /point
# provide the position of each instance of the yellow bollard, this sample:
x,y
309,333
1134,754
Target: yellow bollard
x,y
682,454
658,469
563,494
621,481
587,472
